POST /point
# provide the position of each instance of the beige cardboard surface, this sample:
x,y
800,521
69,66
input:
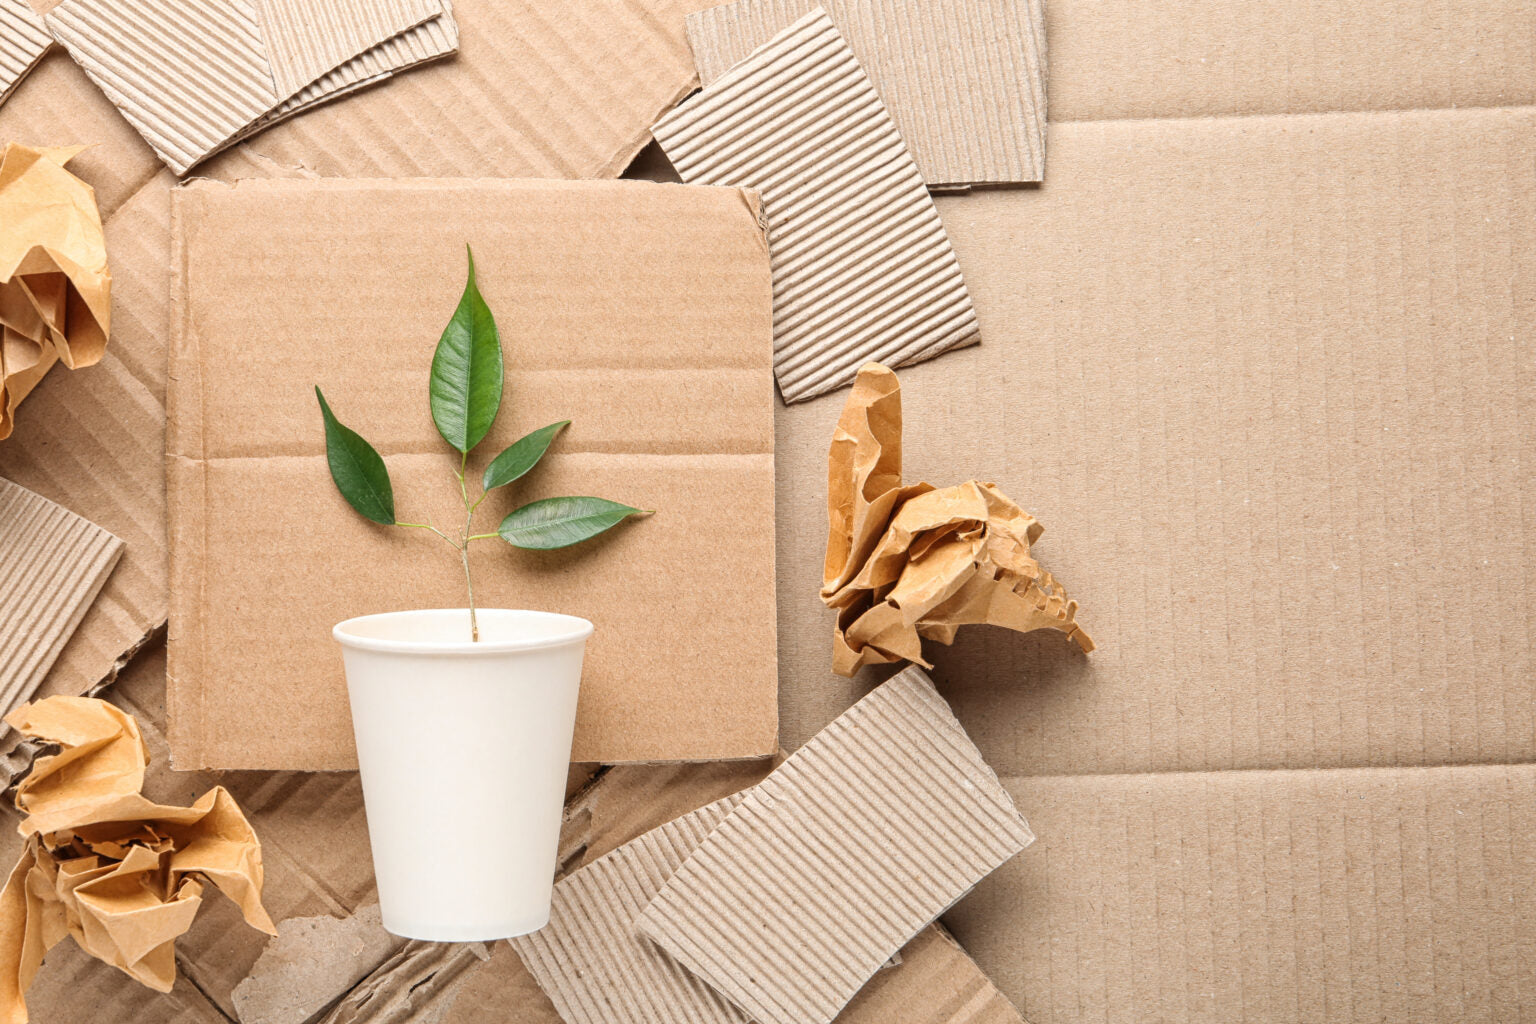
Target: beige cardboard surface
x,y
1261,460
639,311
964,81
861,268
54,563
1179,62
189,92
831,864
23,41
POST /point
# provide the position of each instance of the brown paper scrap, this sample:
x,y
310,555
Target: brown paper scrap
x,y
829,866
55,290
55,563
862,268
908,563
23,41
121,875
964,80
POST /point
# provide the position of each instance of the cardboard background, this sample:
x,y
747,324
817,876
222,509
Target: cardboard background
x,y
1298,839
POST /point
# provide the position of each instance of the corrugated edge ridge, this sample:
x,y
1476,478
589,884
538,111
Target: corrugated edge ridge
x,y
23,41
828,867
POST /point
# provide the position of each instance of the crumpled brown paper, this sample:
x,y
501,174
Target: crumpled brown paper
x,y
55,290
904,563
120,874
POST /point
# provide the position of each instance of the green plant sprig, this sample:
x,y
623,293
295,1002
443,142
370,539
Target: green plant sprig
x,y
465,393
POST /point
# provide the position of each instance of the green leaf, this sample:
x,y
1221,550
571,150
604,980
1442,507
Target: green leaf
x,y
560,522
522,456
357,469
467,371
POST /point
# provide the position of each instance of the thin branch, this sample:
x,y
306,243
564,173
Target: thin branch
x,y
424,526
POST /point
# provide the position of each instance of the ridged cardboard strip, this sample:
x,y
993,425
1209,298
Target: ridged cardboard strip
x,y
190,77
437,37
306,39
964,81
52,563
23,40
837,859
861,266
590,959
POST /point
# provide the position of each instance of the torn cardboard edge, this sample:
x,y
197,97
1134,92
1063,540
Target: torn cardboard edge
x,y
829,866
682,411
52,565
23,41
964,81
231,68
862,268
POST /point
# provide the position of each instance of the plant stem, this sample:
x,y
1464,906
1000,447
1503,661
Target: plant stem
x,y
484,536
474,626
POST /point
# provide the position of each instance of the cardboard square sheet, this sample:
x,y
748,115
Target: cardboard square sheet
x,y
964,80
831,864
590,959
193,90
862,269
641,312
52,564
23,41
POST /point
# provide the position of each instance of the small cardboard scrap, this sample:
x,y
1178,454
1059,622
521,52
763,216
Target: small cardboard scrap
x,y
862,268
964,80
121,875
55,290
590,959
23,41
597,968
226,67
908,563
835,861
52,564
641,312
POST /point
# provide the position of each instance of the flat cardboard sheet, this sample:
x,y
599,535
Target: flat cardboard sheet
x,y
830,865
861,268
52,564
192,92
23,41
964,80
641,312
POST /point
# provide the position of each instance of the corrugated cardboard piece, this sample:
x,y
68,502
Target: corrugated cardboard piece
x,y
641,312
964,80
861,268
192,89
597,968
23,41
590,959
52,564
838,858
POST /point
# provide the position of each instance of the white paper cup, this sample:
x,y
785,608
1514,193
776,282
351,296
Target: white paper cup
x,y
464,749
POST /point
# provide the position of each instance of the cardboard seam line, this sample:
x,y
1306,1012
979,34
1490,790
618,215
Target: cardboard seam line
x,y
1301,770
1330,112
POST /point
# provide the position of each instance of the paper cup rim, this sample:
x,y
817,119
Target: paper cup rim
x,y
573,629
